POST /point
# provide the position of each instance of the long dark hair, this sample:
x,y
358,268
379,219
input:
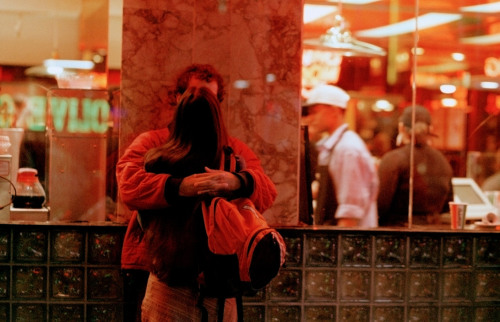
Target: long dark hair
x,y
197,138
176,236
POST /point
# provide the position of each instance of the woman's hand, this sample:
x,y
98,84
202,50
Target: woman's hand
x,y
212,182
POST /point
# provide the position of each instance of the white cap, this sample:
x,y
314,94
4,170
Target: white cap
x,y
328,95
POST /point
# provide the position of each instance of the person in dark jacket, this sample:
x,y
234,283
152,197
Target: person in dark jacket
x,y
432,189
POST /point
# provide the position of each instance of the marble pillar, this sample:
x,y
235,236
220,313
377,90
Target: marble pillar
x,y
255,44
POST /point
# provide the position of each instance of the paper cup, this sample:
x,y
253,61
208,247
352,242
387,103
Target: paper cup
x,y
457,214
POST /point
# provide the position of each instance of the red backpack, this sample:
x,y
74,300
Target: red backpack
x,y
244,254
236,227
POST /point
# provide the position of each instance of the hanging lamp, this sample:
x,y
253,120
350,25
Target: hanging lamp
x,y
339,38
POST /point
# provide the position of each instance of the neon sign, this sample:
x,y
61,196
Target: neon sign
x,y
73,115
70,114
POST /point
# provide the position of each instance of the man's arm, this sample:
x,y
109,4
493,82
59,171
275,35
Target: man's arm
x,y
353,176
140,189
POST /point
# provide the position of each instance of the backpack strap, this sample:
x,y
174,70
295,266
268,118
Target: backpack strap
x,y
228,162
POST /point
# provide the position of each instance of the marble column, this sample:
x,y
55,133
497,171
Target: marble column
x,y
255,44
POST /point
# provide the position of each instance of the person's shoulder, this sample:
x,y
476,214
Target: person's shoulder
x,y
236,143
393,155
158,133
151,138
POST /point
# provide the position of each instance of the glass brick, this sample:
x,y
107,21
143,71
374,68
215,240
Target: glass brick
x,y
28,312
284,313
388,314
67,283
319,313
487,251
390,251
355,251
4,312
320,285
105,248
389,286
424,251
65,313
457,251
254,313
67,246
488,284
293,250
321,250
4,282
423,286
354,313
422,313
4,245
456,286
487,313
456,313
30,246
255,296
355,286
104,284
286,285
29,282
111,312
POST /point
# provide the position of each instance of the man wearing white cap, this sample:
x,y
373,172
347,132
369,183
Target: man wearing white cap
x,y
348,180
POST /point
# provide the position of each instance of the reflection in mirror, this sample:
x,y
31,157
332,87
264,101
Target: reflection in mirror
x,y
429,62
47,41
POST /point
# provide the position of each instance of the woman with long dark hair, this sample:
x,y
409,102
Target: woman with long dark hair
x,y
176,234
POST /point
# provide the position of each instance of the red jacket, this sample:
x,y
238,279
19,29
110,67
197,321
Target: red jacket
x,y
139,189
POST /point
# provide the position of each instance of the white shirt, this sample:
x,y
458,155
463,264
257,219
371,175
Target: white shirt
x,y
353,172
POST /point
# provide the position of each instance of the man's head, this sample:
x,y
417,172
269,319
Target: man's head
x,y
200,75
422,115
422,126
324,109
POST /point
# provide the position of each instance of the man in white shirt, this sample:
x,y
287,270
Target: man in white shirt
x,y
348,180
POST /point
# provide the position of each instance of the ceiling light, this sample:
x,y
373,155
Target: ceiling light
x,y
71,64
419,51
447,89
483,8
449,102
458,56
481,40
339,39
383,106
425,21
315,12
489,85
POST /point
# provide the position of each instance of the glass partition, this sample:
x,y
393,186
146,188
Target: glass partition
x,y
446,60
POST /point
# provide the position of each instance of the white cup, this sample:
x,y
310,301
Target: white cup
x,y
457,214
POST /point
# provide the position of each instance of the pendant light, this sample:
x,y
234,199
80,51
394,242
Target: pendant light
x,y
338,38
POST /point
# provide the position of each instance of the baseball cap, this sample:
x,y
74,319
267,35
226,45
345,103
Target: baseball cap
x,y
421,115
328,95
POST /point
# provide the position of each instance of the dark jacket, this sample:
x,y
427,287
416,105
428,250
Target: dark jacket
x,y
432,187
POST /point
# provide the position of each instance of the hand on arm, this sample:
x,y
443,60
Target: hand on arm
x,y
212,182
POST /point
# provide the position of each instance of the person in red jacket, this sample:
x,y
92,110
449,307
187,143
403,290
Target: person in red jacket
x,y
142,190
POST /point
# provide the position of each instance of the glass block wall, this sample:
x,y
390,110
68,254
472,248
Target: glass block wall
x,y
60,273
72,273
339,275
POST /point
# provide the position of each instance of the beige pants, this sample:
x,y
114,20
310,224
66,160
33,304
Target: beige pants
x,y
177,304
